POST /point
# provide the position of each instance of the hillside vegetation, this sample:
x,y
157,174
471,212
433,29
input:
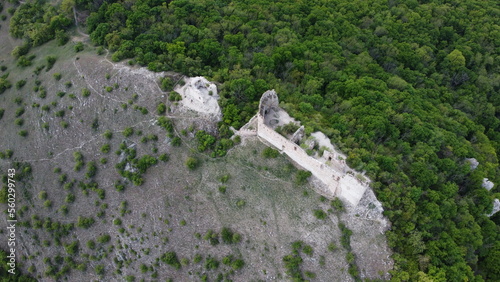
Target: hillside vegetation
x,y
408,90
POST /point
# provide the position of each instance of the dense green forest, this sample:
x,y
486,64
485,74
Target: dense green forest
x,y
407,89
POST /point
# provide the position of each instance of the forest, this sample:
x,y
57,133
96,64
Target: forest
x,y
407,89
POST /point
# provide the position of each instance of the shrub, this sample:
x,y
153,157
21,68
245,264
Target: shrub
x,y
192,163
70,198
104,239
308,250
47,204
319,214
211,263
197,258
174,96
108,134
240,203
166,124
57,76
171,259
85,222
166,83
164,157
4,84
270,153
128,131
237,264
20,50
222,189
19,122
61,37
72,248
20,83
337,204
224,178
85,92
302,176
161,108
42,195
19,112
51,60
99,269
91,170
176,141
78,47
105,148
332,247
23,133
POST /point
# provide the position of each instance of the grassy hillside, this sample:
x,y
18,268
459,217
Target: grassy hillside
x,y
105,193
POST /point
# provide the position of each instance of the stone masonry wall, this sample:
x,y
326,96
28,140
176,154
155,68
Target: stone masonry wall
x,y
298,155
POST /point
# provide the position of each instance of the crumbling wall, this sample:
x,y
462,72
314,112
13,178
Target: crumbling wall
x,y
341,184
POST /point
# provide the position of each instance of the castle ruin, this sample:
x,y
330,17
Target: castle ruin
x,y
330,168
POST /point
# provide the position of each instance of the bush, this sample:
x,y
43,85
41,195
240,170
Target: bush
x,y
57,76
4,84
19,112
23,133
164,157
269,153
171,259
166,83
320,214
308,250
104,239
302,176
332,247
105,148
241,203
108,134
20,83
174,96
237,264
72,248
20,50
42,195
85,92
161,108
61,37
78,47
211,263
128,131
85,222
192,163
91,170
51,60
222,189
99,269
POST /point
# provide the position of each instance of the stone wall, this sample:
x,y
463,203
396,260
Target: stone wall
x,y
339,179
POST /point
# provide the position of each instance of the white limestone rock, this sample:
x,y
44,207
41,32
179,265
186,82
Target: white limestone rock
x,y
487,184
496,207
473,163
